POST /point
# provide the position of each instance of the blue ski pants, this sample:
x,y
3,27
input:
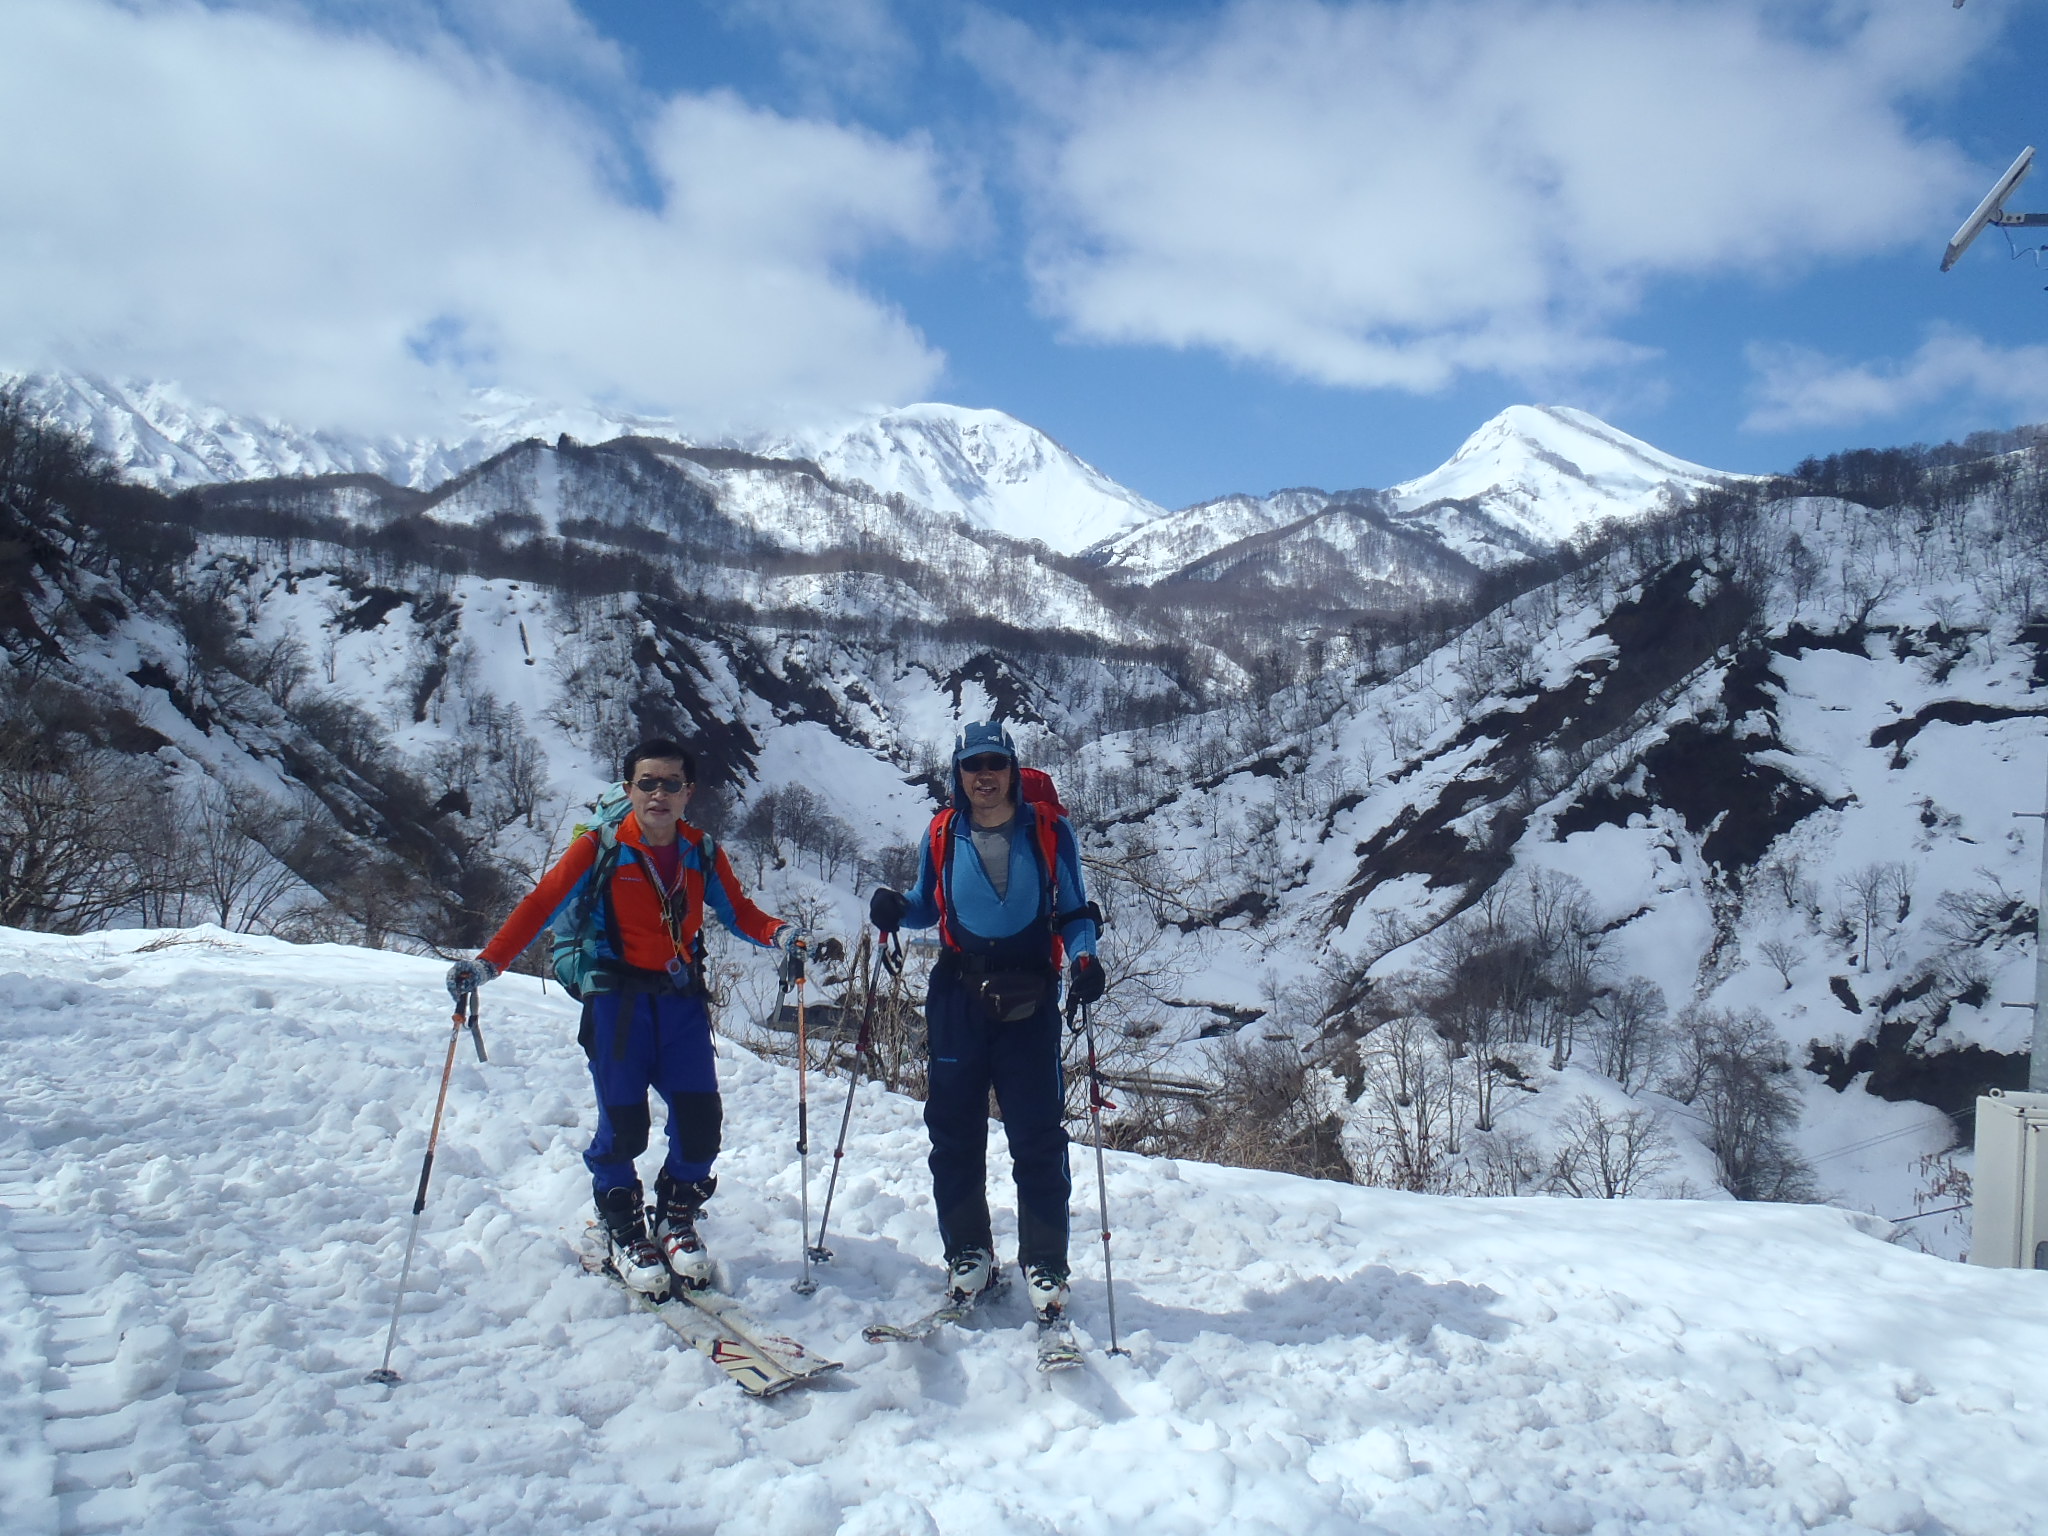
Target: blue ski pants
x,y
642,1040
971,1054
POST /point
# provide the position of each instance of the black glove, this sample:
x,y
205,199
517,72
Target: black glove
x,y
1085,979
793,945
465,976
886,909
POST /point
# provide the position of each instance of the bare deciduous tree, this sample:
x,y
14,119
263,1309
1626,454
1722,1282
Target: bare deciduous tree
x,y
1600,1156
1875,900
1628,1035
1783,956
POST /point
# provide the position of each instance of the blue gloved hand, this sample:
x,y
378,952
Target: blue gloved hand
x,y
465,976
1086,979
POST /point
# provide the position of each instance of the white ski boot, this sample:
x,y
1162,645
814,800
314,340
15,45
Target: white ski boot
x,y
1046,1285
677,1207
633,1254
970,1272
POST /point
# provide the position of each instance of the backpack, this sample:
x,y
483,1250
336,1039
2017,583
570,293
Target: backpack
x,y
1036,789
583,936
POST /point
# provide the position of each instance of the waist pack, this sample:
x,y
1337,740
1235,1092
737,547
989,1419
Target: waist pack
x,y
1010,997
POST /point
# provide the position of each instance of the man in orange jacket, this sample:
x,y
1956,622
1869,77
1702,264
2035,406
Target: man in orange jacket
x,y
644,1019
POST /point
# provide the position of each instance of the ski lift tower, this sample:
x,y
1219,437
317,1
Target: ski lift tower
x,y
1992,211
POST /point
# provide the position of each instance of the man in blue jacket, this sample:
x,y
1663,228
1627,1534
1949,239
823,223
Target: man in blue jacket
x,y
1001,878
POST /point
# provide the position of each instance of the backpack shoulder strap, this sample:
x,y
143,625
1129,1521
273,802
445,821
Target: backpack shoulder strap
x,y
1045,837
940,837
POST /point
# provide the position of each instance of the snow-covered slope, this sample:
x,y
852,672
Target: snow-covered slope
x,y
1536,475
1174,541
1347,556
208,1148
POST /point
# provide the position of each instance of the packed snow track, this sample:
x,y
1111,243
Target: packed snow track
x,y
208,1146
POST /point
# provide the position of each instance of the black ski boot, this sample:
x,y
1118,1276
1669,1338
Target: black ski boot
x,y
633,1254
677,1207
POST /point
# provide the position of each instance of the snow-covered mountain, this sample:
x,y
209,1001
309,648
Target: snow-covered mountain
x,y
985,467
1534,477
209,1144
155,433
1530,479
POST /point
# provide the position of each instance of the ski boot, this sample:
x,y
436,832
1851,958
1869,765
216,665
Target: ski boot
x,y
969,1272
633,1253
677,1207
1046,1285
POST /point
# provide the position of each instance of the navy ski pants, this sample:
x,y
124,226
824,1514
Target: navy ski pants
x,y
642,1040
970,1054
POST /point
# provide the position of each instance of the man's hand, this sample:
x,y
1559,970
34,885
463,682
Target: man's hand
x,y
791,943
1085,979
465,976
886,909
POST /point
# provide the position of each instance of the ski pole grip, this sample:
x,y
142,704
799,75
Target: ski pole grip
x,y
475,1030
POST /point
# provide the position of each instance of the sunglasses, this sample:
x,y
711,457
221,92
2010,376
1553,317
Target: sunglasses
x,y
987,762
648,784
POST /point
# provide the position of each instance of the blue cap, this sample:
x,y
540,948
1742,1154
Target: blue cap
x,y
985,736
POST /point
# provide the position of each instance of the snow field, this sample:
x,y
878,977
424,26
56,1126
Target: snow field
x,y
207,1153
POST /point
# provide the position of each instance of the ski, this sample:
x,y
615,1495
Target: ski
x,y
953,1310
760,1363
1058,1349
793,1357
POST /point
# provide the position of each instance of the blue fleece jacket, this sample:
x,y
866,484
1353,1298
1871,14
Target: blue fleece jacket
x,y
981,911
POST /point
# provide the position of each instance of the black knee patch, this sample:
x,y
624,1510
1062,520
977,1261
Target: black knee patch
x,y
699,1117
630,1123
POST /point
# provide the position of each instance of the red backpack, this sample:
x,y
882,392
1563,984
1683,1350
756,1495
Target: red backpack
x,y
1038,793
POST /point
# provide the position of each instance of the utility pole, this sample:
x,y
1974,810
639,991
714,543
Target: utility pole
x,y
2037,1064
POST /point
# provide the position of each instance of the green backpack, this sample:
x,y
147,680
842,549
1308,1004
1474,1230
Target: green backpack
x,y
581,945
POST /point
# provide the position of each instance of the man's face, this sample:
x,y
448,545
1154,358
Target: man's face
x,y
987,779
659,792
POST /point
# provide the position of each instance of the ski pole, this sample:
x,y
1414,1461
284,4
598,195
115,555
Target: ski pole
x,y
384,1376
1098,1101
804,1285
819,1253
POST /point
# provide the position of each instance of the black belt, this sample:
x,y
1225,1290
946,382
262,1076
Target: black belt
x,y
631,981
964,964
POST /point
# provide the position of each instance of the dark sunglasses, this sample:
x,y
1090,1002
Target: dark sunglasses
x,y
648,784
988,762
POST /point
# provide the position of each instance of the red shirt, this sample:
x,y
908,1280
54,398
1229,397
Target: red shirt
x,y
644,933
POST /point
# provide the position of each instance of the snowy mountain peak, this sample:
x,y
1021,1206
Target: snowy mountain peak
x,y
989,468
1528,480
1537,475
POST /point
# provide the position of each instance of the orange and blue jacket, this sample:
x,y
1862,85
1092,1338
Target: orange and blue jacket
x,y
651,931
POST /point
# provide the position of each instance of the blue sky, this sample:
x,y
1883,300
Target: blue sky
x,y
1210,247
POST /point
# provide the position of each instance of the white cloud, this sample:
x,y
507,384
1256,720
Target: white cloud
x,y
352,229
1797,388
1392,194
832,49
